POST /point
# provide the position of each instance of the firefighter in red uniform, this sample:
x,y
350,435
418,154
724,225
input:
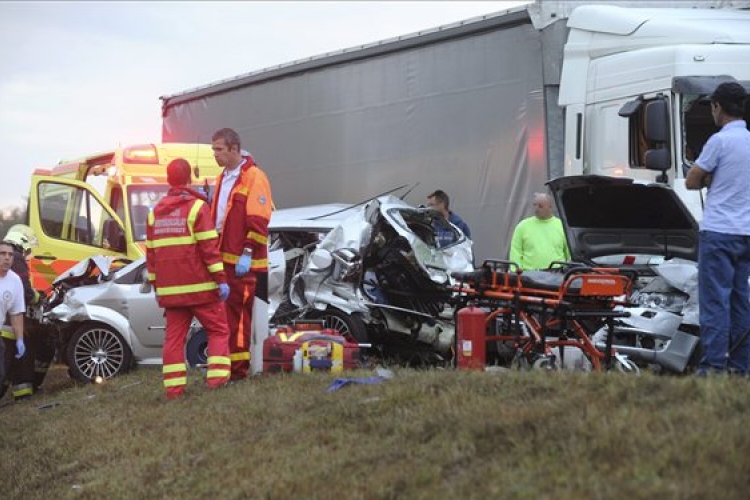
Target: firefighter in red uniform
x,y
241,208
184,264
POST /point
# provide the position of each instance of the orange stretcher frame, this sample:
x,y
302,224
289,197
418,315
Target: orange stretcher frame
x,y
583,292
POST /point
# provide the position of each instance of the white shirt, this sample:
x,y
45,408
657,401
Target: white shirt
x,y
227,183
11,295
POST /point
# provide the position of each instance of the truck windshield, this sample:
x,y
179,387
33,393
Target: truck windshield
x,y
698,124
141,200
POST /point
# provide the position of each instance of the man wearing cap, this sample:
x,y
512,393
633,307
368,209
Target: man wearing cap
x,y
724,254
241,209
184,264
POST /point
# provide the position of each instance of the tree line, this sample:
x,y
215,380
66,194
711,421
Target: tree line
x,y
10,217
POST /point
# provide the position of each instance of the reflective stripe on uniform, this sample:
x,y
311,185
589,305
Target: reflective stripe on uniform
x,y
215,268
240,356
259,263
218,360
230,257
169,242
219,367
218,373
206,235
8,335
177,367
22,390
257,237
176,290
175,382
193,214
233,259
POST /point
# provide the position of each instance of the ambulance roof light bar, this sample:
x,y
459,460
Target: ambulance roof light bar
x,y
143,153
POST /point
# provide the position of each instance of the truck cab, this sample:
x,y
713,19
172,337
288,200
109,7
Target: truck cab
x,y
645,75
98,204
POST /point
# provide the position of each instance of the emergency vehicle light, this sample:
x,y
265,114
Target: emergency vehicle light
x,y
145,153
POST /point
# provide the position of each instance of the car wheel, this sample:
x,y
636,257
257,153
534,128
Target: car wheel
x,y
196,349
95,350
348,325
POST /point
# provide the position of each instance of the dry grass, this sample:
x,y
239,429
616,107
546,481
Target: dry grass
x,y
424,434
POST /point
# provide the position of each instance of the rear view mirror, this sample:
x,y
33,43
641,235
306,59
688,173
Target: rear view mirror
x,y
658,159
657,121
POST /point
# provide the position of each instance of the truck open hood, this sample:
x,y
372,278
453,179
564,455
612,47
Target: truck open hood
x,y
608,216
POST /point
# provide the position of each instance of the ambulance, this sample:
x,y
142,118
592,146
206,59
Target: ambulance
x,y
98,204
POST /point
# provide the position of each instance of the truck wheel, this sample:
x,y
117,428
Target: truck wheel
x,y
196,349
348,325
95,350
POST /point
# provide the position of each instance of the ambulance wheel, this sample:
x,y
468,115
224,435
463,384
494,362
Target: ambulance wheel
x,y
348,325
196,349
96,350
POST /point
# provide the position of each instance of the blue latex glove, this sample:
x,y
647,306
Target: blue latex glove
x,y
223,291
243,265
20,348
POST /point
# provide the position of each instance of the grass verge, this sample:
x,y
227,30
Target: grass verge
x,y
423,434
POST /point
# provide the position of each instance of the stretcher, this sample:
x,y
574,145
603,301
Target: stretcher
x,y
539,315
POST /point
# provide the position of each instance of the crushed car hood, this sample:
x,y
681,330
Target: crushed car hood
x,y
605,216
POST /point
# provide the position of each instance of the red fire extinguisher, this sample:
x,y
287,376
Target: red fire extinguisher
x,y
470,338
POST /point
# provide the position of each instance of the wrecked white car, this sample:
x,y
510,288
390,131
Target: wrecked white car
x,y
644,229
374,272
380,277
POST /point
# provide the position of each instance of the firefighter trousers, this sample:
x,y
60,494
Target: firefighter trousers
x,y
213,318
27,374
19,373
239,307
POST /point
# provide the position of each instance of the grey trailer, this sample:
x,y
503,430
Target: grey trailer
x,y
487,109
459,108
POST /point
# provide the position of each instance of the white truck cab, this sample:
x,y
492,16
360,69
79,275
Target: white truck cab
x,y
645,74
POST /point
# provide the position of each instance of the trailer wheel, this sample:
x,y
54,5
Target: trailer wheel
x,y
348,325
96,350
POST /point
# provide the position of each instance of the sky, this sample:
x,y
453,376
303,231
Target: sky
x,y
78,78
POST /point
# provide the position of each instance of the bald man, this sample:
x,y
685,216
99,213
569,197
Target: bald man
x,y
539,240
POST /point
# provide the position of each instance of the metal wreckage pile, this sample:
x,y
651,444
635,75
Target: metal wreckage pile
x,y
374,274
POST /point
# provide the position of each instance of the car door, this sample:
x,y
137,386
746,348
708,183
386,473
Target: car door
x,y
145,316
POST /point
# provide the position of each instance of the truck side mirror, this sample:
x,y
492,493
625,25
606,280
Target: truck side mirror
x,y
657,121
656,130
658,159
